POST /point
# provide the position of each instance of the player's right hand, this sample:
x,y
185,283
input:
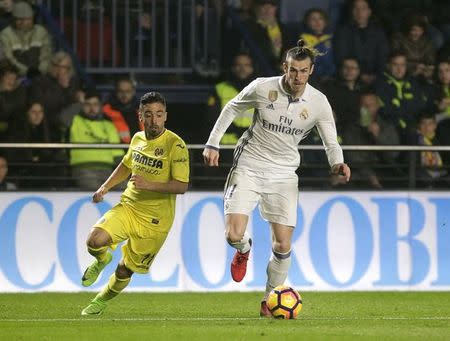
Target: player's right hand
x,y
98,195
211,157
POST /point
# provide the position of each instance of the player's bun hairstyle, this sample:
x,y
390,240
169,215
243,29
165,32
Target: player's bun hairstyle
x,y
303,51
153,97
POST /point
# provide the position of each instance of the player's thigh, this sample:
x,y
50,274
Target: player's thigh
x,y
142,248
279,204
242,193
117,223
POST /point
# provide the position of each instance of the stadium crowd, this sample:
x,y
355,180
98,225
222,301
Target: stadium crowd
x,y
385,69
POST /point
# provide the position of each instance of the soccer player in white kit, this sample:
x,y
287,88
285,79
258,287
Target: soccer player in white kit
x,y
266,158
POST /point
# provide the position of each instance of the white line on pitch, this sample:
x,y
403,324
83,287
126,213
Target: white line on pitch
x,y
169,319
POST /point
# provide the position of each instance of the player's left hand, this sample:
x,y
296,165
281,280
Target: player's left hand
x,y
139,182
341,169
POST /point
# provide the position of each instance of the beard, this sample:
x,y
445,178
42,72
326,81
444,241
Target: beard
x,y
152,132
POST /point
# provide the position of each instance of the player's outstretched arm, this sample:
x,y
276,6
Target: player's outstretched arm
x,y
172,186
211,156
119,174
341,169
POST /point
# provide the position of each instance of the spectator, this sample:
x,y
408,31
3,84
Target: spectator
x,y
318,36
232,40
6,7
36,164
391,13
363,39
56,90
90,167
431,169
240,76
380,131
415,44
401,96
207,52
5,185
25,44
343,93
291,10
443,90
13,97
268,33
122,109
443,107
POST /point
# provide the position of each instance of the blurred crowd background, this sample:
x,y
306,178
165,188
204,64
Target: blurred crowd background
x,y
73,72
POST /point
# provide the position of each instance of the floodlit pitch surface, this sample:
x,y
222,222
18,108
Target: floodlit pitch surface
x,y
226,316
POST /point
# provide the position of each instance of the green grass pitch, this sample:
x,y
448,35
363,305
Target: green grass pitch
x,y
226,316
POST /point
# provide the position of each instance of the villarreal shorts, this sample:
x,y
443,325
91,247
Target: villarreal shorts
x,y
142,242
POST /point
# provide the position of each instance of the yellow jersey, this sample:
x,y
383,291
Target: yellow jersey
x,y
159,160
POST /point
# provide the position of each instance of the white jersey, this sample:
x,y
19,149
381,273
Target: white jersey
x,y
279,124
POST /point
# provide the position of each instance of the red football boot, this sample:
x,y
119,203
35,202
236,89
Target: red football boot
x,y
239,265
265,312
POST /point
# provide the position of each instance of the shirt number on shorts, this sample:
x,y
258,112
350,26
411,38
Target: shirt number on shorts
x,y
147,259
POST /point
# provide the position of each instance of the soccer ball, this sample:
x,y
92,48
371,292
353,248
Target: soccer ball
x,y
284,302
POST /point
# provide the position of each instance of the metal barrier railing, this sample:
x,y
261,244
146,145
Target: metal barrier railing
x,y
404,174
145,36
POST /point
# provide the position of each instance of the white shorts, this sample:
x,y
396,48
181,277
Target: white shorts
x,y
276,194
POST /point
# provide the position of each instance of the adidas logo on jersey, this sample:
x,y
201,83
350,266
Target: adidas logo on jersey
x,y
270,106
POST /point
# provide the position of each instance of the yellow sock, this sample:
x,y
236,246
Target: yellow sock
x,y
99,253
113,288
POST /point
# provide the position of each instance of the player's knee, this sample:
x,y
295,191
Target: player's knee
x,y
98,239
282,246
233,236
123,272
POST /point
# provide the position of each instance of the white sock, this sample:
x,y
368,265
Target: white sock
x,y
277,270
243,245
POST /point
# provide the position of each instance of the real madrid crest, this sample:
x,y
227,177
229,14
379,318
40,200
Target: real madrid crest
x,y
304,114
273,95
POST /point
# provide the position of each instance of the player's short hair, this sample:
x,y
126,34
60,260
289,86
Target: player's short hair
x,y
152,97
302,51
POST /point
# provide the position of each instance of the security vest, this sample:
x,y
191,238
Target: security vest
x,y
119,122
85,130
226,92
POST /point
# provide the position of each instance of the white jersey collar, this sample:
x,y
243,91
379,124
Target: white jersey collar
x,y
305,96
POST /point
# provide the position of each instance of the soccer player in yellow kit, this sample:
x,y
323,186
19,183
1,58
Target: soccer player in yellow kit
x,y
158,162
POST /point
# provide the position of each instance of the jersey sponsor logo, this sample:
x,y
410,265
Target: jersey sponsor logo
x,y
304,114
270,106
273,95
144,169
147,161
281,128
159,151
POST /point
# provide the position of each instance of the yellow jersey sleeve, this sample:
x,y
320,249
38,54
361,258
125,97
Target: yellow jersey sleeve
x,y
179,169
